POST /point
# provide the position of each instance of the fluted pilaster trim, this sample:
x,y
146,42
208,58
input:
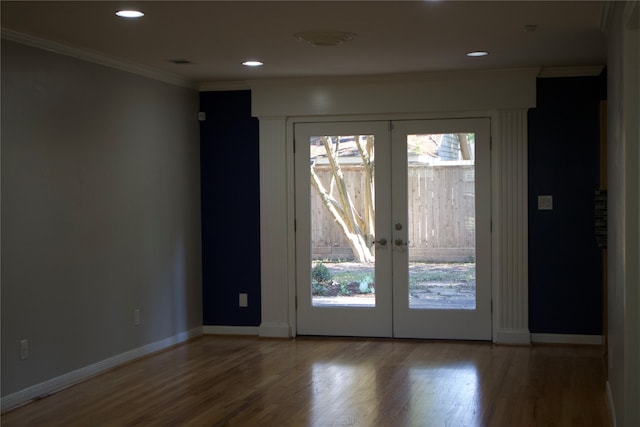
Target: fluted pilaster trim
x,y
512,304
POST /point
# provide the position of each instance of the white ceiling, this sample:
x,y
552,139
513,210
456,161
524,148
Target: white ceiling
x,y
392,36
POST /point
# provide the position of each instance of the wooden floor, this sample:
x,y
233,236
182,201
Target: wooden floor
x,y
239,381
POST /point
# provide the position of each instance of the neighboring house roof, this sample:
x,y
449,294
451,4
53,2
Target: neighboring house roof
x,y
429,146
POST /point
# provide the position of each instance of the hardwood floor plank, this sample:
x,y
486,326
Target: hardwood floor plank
x,y
245,381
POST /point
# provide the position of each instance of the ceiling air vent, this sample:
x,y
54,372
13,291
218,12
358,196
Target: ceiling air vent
x,y
324,37
180,61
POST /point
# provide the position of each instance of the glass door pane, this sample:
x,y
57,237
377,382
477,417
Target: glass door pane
x,y
342,220
441,215
343,260
441,221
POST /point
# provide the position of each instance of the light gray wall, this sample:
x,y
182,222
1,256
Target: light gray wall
x,y
624,213
100,213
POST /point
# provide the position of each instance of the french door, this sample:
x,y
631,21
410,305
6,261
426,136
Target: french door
x,y
393,229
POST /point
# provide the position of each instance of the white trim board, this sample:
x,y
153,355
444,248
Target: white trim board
x,y
512,337
435,92
584,71
567,339
223,86
276,330
230,330
74,377
610,406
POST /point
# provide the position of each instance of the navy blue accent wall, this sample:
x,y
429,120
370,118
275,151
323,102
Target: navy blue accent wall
x,y
565,266
230,209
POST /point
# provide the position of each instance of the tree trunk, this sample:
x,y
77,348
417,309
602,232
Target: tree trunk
x,y
465,150
360,247
359,230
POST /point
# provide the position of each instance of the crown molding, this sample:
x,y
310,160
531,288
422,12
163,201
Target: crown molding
x,y
96,58
376,79
632,14
607,16
581,71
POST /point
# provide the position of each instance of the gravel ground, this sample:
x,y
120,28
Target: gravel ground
x,y
448,292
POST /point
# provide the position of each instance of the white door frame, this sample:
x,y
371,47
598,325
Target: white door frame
x,y
390,317
504,95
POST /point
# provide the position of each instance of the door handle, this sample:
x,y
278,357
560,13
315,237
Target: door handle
x,y
381,242
400,242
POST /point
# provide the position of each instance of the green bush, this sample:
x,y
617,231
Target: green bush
x,y
320,273
318,289
344,291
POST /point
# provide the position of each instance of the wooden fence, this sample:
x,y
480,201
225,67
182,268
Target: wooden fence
x,y
441,214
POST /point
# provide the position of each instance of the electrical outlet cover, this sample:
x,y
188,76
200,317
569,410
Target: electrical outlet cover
x,y
243,300
545,203
24,349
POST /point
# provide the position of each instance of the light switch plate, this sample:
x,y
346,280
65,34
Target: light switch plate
x,y
545,203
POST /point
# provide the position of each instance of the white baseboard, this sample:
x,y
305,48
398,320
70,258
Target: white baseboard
x,y
74,377
567,339
513,337
612,409
275,330
230,330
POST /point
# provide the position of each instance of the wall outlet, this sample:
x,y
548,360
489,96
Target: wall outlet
x,y
24,349
545,203
136,316
243,300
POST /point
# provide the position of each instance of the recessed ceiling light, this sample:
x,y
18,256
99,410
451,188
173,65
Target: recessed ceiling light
x,y
477,53
252,63
129,14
